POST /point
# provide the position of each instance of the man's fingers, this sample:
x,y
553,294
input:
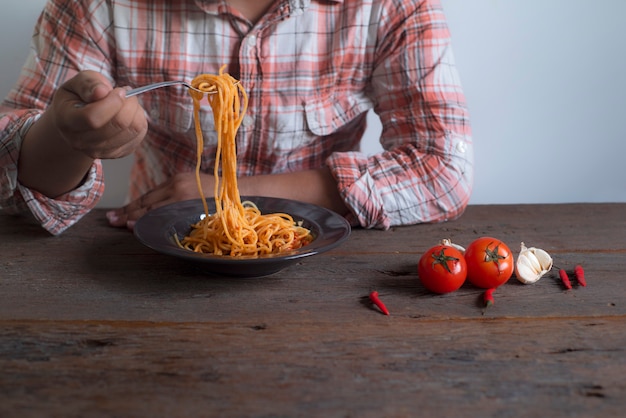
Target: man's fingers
x,y
88,86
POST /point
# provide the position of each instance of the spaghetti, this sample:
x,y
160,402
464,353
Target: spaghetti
x,y
236,228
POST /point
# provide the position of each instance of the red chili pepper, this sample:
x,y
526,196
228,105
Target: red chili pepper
x,y
580,275
376,301
488,297
565,279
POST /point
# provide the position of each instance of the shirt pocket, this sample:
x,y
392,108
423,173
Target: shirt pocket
x,y
321,115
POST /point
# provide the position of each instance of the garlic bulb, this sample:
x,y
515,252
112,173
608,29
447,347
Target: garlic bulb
x,y
532,263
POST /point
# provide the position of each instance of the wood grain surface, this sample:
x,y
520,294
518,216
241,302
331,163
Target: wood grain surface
x,y
92,323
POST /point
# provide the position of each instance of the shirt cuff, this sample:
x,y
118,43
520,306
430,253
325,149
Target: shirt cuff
x,y
358,189
58,214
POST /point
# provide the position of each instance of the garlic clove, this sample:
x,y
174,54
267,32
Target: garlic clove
x,y
525,273
532,263
532,260
544,258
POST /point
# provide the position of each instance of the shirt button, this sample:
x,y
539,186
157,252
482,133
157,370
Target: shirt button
x,y
154,113
247,121
251,41
461,147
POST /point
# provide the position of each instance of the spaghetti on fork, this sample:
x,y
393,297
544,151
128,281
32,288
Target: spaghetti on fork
x,y
236,228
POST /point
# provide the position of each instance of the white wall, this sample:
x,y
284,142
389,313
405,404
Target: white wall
x,y
545,82
546,85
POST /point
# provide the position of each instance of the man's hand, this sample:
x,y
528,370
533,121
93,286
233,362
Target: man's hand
x,y
87,119
96,119
182,186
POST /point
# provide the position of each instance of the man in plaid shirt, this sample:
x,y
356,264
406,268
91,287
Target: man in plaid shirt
x,y
312,70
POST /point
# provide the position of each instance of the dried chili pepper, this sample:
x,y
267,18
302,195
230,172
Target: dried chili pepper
x,y
565,279
488,297
376,301
580,275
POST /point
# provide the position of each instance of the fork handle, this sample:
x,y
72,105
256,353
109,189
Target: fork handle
x,y
143,89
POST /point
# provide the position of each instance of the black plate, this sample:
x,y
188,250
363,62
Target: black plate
x,y
157,228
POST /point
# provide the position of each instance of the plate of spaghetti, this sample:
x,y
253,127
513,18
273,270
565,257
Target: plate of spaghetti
x,y
252,236
165,228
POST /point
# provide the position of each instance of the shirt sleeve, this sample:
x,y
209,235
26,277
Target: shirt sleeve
x,y
47,67
425,173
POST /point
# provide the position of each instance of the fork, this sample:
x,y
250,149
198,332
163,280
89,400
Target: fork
x,y
148,87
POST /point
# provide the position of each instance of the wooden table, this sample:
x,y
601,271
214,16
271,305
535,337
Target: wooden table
x,y
92,323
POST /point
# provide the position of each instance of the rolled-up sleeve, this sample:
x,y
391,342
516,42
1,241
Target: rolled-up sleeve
x,y
54,215
425,173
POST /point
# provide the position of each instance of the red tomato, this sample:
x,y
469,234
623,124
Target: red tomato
x,y
442,269
489,262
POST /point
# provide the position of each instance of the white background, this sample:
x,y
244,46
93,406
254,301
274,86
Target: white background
x,y
546,85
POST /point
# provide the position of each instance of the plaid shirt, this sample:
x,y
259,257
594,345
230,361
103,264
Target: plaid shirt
x,y
312,70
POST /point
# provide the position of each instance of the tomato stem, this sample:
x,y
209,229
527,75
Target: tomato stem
x,y
493,255
443,259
